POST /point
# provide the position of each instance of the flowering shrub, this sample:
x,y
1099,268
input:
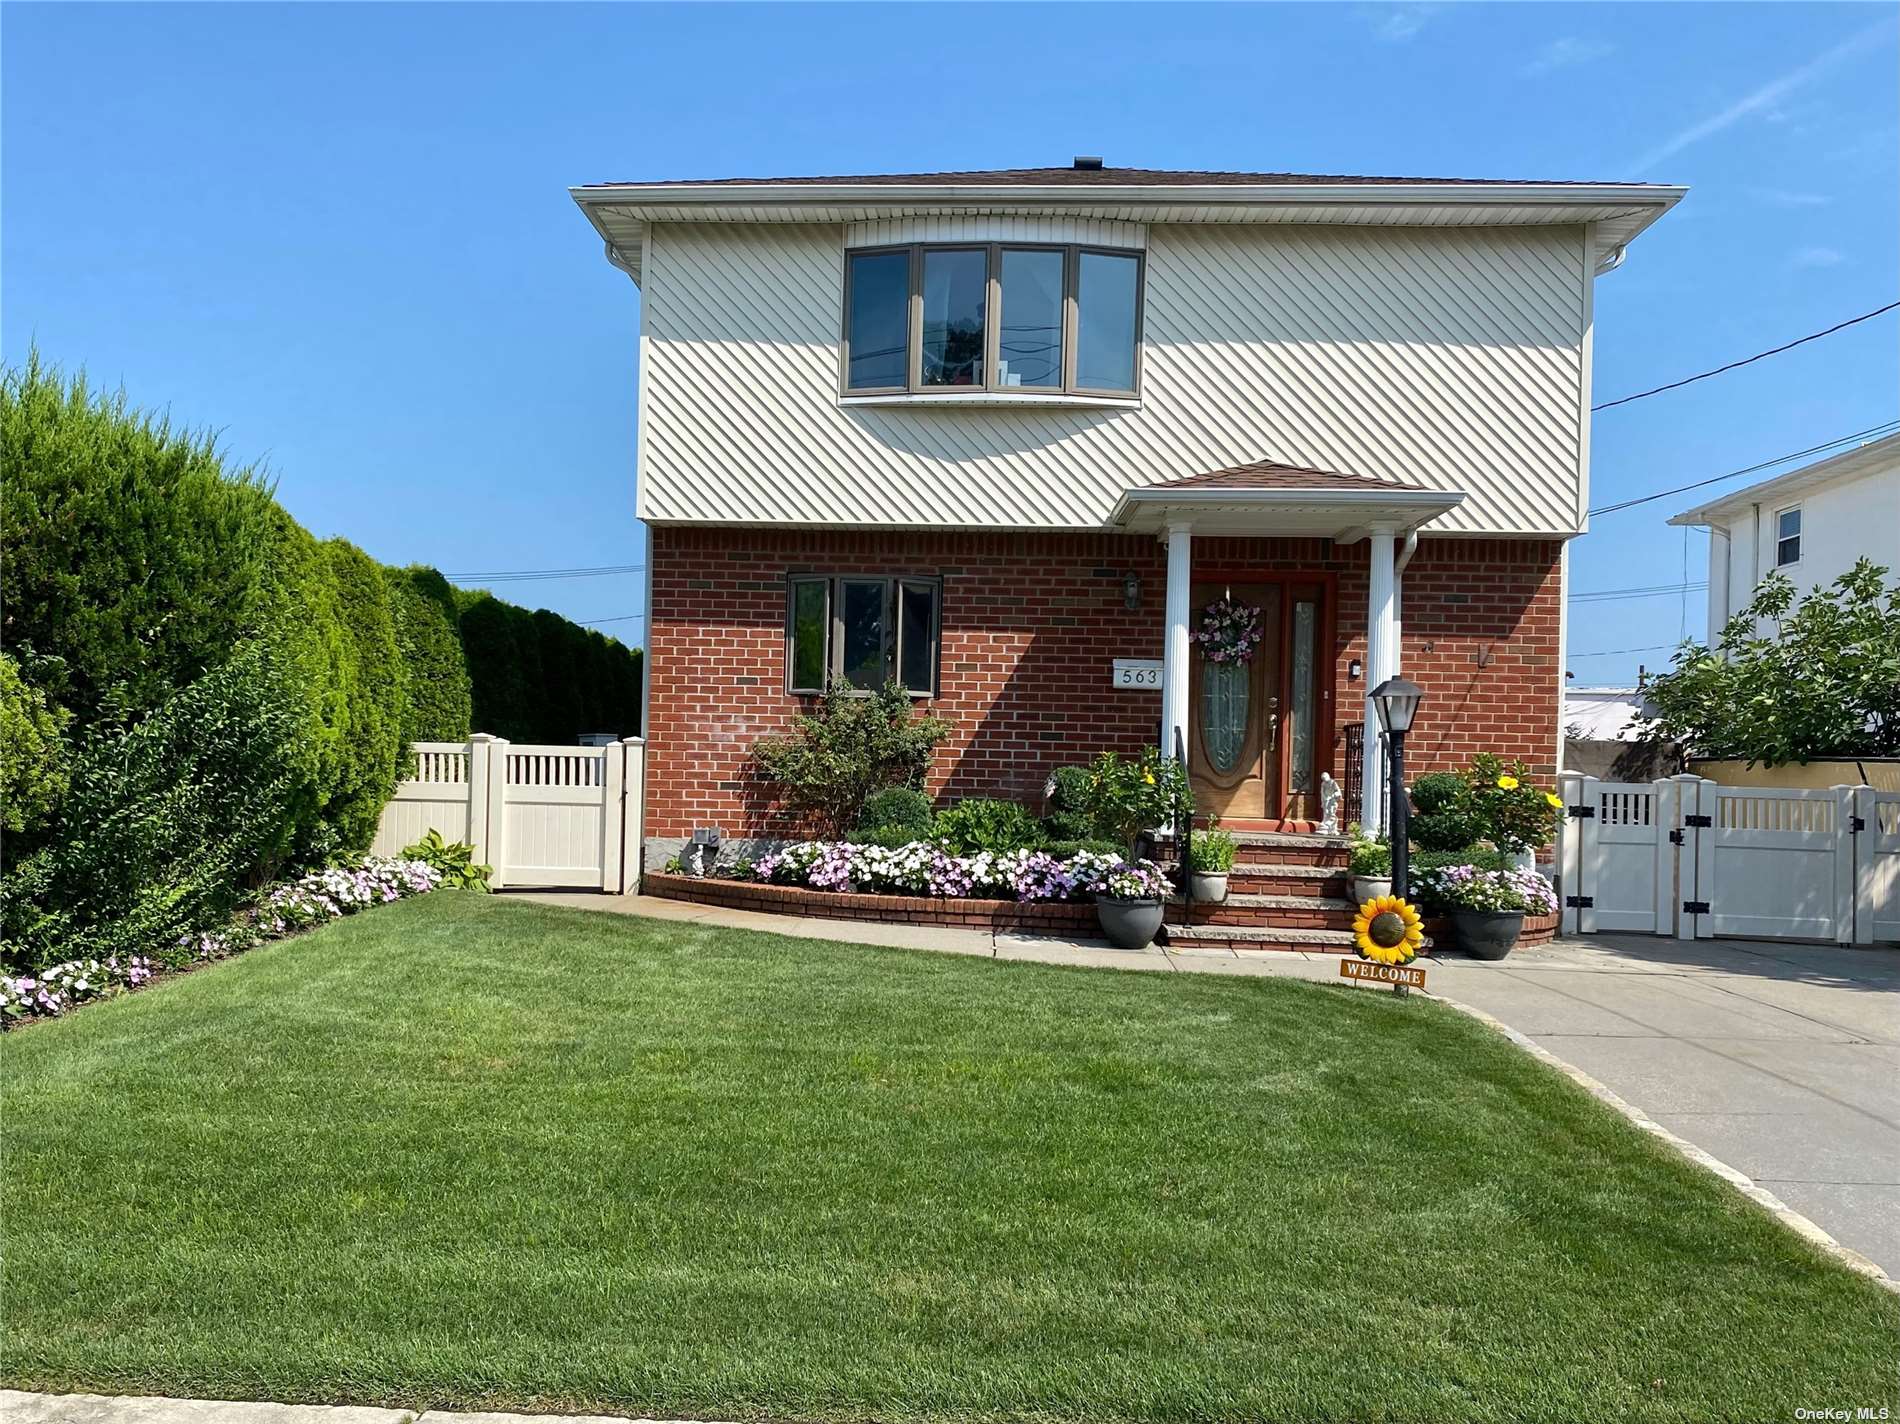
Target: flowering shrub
x,y
1467,887
921,868
1129,795
283,910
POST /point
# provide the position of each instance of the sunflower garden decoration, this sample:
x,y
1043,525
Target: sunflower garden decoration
x,y
1387,930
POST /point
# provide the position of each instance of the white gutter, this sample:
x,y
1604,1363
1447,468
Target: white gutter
x,y
1119,195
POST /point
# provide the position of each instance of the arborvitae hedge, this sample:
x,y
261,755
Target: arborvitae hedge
x,y
199,695
537,677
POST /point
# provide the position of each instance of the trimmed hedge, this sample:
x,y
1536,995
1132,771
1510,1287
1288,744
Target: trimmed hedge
x,y
199,695
537,677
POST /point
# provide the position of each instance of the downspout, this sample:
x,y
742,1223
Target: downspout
x,y
613,256
1406,550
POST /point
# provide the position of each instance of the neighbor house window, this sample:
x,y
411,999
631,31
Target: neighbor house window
x,y
993,317
1788,537
865,630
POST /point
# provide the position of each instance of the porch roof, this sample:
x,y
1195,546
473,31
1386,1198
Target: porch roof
x,y
1268,497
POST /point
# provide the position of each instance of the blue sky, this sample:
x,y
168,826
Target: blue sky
x,y
339,233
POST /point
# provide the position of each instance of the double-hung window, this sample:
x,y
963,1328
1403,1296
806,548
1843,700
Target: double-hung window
x,y
1008,318
1788,537
863,630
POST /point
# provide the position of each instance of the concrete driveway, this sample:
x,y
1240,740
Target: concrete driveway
x,y
1781,1059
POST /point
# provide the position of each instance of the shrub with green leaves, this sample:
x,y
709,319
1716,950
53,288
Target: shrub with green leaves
x,y
1212,852
32,758
831,761
1067,796
370,676
435,669
163,827
979,824
1129,795
897,808
1443,815
130,558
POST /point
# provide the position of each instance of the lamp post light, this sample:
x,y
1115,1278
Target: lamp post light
x,y
1396,702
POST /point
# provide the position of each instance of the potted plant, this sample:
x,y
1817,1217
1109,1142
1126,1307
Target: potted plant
x,y
1371,865
1486,908
1128,900
1210,861
1129,795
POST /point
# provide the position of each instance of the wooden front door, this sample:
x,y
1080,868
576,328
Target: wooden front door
x,y
1233,712
1259,732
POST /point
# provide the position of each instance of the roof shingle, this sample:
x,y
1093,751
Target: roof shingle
x,y
1271,474
1077,177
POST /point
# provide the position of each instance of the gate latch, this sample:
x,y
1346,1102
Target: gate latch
x,y
1583,813
1581,902
1695,907
1705,822
1676,838
1856,824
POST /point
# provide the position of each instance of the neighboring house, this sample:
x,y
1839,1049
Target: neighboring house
x,y
1004,435
1811,524
1601,737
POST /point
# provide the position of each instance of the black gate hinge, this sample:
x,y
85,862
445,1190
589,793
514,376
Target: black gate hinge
x,y
1856,824
1583,813
1676,838
1703,821
1581,902
1695,907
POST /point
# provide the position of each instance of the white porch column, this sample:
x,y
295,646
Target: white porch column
x,y
1382,661
1174,647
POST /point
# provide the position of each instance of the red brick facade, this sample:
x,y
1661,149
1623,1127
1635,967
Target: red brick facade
x,y
1030,624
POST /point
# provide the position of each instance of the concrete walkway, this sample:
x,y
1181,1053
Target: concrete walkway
x,y
1782,1060
21,1407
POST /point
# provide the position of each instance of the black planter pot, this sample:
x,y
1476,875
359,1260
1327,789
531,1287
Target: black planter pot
x,y
1487,934
1128,924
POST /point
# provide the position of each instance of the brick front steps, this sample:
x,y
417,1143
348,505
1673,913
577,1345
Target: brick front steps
x,y
1041,917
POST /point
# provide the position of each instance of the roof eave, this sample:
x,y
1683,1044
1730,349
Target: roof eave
x,y
1412,507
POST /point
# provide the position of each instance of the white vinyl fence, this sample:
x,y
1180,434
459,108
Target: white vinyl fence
x,y
1685,856
567,817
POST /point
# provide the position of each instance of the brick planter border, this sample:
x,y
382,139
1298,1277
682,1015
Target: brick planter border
x,y
1039,917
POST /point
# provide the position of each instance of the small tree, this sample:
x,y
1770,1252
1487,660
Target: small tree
x,y
1824,683
851,746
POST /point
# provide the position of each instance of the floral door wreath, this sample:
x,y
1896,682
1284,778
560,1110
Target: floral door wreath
x,y
1229,632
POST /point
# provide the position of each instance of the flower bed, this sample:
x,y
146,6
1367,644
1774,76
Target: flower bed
x,y
921,883
284,910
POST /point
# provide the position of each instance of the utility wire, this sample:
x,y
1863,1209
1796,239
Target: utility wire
x,y
620,618
1618,652
1617,595
1871,433
1749,360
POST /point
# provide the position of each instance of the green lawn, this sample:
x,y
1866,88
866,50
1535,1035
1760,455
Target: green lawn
x,y
470,1151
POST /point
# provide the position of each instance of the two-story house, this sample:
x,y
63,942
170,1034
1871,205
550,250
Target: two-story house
x,y
1811,525
1006,436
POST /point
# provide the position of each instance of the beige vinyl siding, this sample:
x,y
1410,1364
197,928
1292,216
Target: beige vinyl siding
x,y
1442,358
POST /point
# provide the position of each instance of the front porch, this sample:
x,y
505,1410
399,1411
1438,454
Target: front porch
x,y
1258,722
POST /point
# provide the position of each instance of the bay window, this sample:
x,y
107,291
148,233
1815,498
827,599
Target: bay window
x,y
993,317
864,630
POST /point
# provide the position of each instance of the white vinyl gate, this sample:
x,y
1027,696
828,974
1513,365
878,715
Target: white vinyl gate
x,y
545,816
1686,856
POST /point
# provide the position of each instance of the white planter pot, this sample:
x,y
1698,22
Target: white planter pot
x,y
1209,889
1367,887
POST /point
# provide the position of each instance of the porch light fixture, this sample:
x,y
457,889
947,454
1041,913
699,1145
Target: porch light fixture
x,y
1396,701
1131,590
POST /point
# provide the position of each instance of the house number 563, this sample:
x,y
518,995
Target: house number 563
x,y
1139,673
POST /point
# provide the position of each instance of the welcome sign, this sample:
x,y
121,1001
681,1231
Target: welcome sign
x,y
1409,975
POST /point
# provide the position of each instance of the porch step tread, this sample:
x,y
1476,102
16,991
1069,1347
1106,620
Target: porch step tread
x,y
1241,901
1263,870
1269,934
1285,840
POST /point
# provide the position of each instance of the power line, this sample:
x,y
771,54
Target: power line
x,y
1618,652
1748,360
1872,433
1617,595
618,618
533,575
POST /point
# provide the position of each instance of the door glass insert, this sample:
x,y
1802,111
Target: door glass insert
x,y
1224,699
1300,715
